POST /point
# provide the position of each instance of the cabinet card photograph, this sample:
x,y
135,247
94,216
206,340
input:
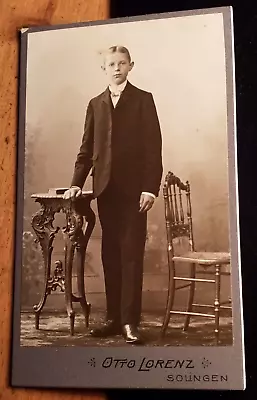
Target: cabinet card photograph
x,y
127,259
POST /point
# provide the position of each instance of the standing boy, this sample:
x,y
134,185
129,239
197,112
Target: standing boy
x,y
122,144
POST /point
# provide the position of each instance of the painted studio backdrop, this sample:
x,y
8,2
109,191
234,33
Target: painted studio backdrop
x,y
182,62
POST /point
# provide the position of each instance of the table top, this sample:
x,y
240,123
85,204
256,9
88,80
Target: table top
x,y
57,193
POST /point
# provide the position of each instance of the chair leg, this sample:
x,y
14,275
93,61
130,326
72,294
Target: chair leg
x,y
190,297
217,303
170,299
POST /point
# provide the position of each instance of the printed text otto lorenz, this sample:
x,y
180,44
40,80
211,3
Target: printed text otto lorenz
x,y
146,364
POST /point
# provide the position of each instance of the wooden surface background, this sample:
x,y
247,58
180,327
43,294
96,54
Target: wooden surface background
x,y
15,14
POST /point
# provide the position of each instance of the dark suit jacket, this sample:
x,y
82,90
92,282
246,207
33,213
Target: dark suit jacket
x,y
122,142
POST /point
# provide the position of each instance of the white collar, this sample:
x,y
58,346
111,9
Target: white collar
x,y
119,88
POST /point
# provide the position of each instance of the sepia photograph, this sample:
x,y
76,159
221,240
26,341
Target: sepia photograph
x,y
123,117
129,163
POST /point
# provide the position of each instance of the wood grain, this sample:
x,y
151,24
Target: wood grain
x,y
15,14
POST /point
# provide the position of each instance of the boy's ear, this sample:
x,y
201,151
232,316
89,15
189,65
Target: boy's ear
x,y
132,65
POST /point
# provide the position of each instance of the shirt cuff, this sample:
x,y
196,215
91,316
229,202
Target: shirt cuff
x,y
150,194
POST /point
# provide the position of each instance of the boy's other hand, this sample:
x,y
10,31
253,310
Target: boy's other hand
x,y
146,202
72,193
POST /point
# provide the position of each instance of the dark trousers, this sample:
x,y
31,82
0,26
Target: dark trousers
x,y
123,245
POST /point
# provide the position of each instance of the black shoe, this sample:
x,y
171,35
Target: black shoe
x,y
131,334
110,328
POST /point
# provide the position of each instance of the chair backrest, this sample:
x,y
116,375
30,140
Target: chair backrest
x,y
178,211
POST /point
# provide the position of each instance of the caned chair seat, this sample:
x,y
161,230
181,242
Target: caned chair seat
x,y
203,258
179,226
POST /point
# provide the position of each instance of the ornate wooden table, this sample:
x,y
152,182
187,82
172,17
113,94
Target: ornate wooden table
x,y
76,236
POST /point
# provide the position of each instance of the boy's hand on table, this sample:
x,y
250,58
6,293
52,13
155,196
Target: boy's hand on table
x,y
72,193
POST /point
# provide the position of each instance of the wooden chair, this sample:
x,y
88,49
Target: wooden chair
x,y
179,227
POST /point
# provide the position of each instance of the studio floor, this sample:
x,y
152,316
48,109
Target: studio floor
x,y
54,331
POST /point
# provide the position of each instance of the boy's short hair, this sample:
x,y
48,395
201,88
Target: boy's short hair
x,y
114,49
120,49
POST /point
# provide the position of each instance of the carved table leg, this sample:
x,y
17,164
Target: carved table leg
x,y
76,243
69,255
81,249
42,223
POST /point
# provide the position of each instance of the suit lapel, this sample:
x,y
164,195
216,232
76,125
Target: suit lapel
x,y
106,97
107,106
125,95
106,113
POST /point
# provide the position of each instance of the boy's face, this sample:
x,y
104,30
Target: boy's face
x,y
117,67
